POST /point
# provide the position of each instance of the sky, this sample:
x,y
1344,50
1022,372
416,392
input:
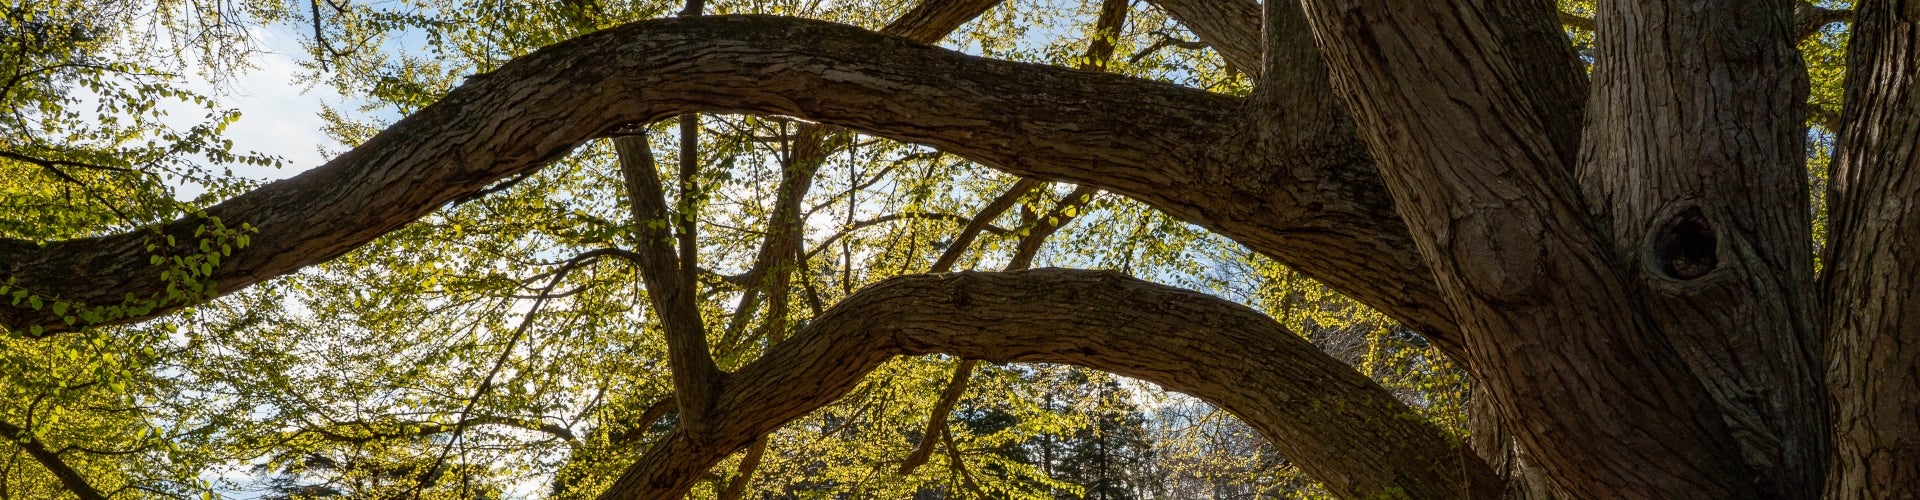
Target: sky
x,y
279,111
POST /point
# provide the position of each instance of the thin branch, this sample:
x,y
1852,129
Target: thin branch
x,y
49,163
959,464
745,471
937,418
1069,207
414,429
69,478
486,383
1576,21
639,428
958,240
1166,40
981,222
1810,19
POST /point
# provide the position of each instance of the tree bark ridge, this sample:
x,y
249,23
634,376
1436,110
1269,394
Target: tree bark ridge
x,y
1872,275
1449,99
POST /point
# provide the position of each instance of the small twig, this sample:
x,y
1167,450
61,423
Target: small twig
x,y
1165,41
1576,21
1809,19
486,383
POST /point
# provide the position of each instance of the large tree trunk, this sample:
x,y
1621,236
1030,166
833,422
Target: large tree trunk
x,y
1873,262
1627,270
1693,159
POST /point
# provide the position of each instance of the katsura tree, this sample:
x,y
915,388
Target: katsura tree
x,y
1616,239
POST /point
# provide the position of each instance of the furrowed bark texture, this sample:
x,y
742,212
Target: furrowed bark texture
x,y
1183,151
696,379
1339,426
1873,268
1694,159
1445,101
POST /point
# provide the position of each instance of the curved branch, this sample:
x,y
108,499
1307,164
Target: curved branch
x,y
1183,151
1339,426
1029,119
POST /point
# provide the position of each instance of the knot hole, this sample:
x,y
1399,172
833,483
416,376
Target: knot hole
x,y
1685,247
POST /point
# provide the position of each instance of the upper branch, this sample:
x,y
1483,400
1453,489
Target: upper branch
x,y
1118,133
1231,27
1339,426
1728,164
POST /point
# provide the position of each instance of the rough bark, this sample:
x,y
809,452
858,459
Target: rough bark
x,y
1340,427
1694,160
1872,281
696,379
1469,146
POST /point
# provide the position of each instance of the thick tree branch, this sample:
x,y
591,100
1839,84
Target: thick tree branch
x,y
687,213
696,379
1340,427
1809,19
1463,104
541,106
71,479
1180,150
931,20
1872,280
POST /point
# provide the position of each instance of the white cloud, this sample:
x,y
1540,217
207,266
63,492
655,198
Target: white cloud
x,y
279,109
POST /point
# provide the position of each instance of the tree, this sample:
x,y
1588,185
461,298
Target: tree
x,y
1624,259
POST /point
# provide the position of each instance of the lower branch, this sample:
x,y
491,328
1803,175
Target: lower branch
x,y
1339,426
937,419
